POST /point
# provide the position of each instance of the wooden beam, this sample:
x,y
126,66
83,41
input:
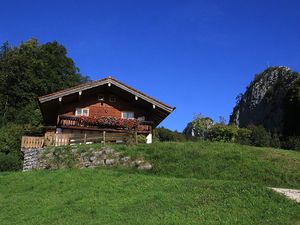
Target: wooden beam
x,y
79,95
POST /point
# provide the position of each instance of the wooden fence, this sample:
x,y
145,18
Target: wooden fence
x,y
57,139
71,139
32,142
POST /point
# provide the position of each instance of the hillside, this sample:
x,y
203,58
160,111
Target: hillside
x,y
191,183
222,161
102,196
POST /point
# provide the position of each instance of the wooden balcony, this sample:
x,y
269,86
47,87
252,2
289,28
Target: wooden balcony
x,y
52,139
101,135
73,122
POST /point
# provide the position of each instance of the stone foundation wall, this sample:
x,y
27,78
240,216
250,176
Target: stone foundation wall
x,y
31,156
40,158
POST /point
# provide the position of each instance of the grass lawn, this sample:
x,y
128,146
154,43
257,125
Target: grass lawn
x,y
221,161
103,196
191,183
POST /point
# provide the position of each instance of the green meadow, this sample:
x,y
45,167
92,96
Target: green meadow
x,y
190,183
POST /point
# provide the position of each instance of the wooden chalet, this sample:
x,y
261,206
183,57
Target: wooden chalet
x,y
105,110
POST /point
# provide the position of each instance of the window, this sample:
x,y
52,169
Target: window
x,y
128,115
81,112
141,118
101,97
112,99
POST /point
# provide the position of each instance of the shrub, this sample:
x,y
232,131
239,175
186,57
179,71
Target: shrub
x,y
222,133
10,144
141,139
10,162
259,136
131,138
243,136
292,142
11,156
275,141
163,134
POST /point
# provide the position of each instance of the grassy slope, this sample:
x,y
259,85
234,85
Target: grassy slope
x,y
222,161
102,196
191,183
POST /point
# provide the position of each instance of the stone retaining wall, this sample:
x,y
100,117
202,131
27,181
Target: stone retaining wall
x,y
72,157
31,156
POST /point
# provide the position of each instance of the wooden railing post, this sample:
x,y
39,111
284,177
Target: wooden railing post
x,y
135,137
84,138
104,137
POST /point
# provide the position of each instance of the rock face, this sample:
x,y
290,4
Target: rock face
x,y
262,103
72,157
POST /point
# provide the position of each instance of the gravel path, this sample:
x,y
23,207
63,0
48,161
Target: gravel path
x,y
290,193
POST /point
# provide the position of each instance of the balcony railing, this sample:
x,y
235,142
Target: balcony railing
x,y
105,134
32,142
53,139
76,122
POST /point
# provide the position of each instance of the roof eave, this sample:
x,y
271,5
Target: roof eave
x,y
108,80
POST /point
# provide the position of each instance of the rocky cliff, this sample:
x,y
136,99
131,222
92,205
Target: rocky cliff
x,y
263,101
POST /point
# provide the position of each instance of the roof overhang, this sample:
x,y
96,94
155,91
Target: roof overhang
x,y
162,109
108,81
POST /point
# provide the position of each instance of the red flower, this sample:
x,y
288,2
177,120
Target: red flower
x,y
108,121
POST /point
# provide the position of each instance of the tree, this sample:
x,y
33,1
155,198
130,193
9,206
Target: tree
x,y
164,134
222,120
199,126
26,72
31,70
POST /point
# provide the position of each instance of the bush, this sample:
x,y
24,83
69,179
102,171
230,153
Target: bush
x,y
11,156
292,142
141,139
275,141
243,136
10,162
222,133
131,138
163,134
259,136
10,143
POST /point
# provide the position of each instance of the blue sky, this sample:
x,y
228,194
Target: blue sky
x,y
195,55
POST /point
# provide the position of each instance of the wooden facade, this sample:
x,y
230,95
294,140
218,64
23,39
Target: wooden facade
x,y
107,98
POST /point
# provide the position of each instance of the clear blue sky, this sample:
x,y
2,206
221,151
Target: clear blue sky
x,y
195,55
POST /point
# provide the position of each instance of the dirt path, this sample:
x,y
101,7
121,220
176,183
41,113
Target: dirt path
x,y
293,194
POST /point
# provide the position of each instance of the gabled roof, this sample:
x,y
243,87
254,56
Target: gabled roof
x,y
106,81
